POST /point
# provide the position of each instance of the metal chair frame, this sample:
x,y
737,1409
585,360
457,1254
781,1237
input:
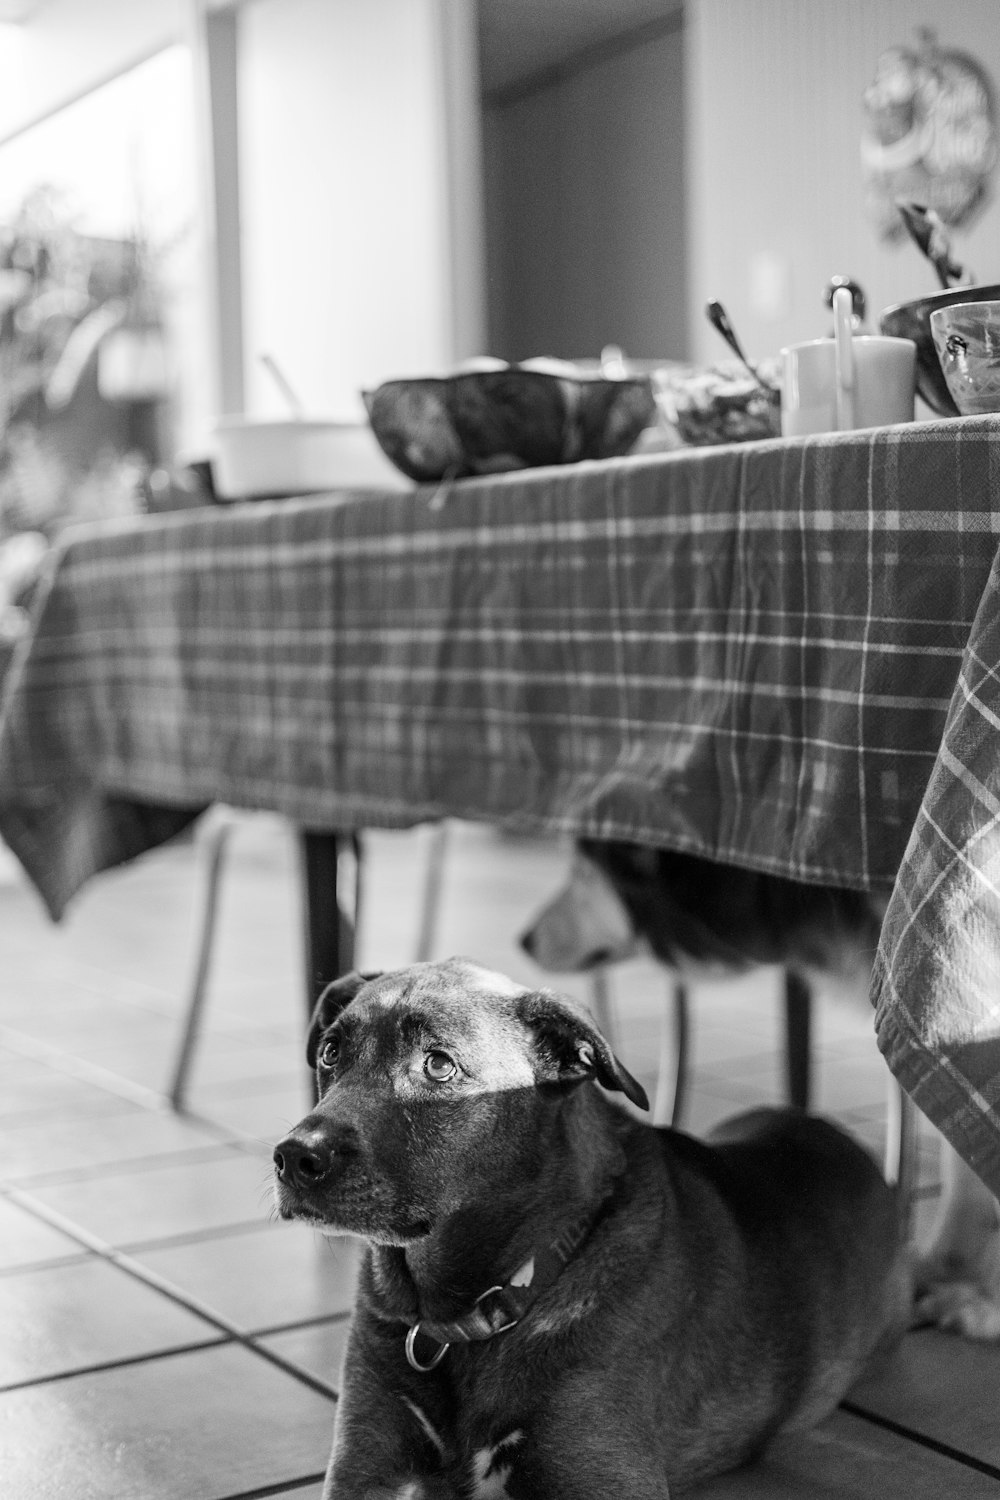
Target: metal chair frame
x,y
673,1068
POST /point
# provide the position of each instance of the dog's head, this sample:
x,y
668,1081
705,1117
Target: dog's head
x,y
698,916
423,1073
621,899
586,924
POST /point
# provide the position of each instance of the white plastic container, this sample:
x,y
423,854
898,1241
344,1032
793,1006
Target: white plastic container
x,y
298,456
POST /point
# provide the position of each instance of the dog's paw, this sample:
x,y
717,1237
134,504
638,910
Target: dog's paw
x,y
957,1276
958,1307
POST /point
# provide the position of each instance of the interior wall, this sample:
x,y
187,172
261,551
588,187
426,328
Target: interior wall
x,y
351,229
585,208
775,118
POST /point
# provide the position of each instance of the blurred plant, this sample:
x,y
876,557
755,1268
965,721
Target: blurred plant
x,y
68,453
40,491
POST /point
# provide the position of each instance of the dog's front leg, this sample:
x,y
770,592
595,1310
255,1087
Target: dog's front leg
x,y
387,1437
592,1472
958,1276
586,1443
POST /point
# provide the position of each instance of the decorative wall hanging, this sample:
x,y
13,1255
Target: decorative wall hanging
x,y
930,134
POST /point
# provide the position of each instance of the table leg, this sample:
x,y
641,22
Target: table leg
x,y
798,1039
329,934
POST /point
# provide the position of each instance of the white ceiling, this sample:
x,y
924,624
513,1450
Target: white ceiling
x,y
18,10
522,39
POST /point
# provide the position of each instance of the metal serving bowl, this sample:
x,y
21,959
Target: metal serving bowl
x,y
487,421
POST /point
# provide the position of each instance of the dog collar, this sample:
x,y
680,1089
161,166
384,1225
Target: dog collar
x,y
500,1307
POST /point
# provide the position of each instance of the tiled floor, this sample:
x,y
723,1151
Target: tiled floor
x,y
161,1337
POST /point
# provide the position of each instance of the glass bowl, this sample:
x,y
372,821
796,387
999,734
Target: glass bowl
x,y
967,340
912,320
719,403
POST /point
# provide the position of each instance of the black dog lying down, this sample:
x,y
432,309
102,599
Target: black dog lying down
x,y
698,916
557,1301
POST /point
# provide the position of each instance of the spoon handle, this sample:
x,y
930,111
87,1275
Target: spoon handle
x,y
928,233
284,385
719,319
844,358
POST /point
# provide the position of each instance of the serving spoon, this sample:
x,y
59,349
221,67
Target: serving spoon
x,y
928,233
719,319
284,385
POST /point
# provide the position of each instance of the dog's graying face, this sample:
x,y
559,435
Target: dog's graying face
x,y
699,916
420,1072
586,924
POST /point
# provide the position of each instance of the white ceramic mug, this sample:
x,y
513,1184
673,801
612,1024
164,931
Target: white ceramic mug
x,y
882,389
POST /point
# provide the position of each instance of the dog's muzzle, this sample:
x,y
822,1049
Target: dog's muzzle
x,y
585,925
311,1153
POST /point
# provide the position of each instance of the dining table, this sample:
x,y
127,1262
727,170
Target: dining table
x,y
782,655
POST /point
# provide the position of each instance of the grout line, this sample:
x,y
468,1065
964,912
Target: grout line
x,y
81,1070
21,1194
120,1166
57,1263
118,1256
163,1005
104,1106
283,1487
136,1166
922,1439
120,1087
319,1322
114,1364
194,1236
134,1268
321,1387
67,1258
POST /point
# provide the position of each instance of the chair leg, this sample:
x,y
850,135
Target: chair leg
x,y
673,1070
430,908
360,884
602,1003
214,839
214,836
900,1163
798,1040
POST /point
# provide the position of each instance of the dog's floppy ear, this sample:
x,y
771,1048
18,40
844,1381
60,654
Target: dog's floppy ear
x,y
571,1049
331,1002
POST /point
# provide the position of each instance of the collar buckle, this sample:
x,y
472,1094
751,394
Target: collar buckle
x,y
516,1297
490,1292
479,1324
411,1357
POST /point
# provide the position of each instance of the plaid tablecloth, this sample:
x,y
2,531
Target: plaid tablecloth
x,y
781,654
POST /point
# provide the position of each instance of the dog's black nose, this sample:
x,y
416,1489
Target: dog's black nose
x,y
309,1153
299,1163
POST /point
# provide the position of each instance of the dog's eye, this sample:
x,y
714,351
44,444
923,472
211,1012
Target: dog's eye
x,y
439,1067
329,1052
